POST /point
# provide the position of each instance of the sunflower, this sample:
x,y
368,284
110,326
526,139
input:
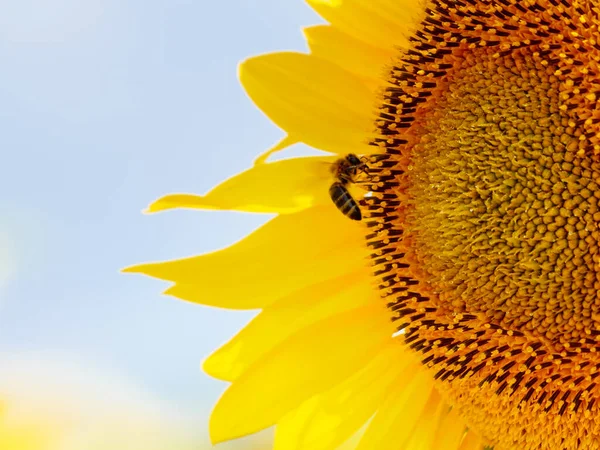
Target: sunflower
x,y
462,311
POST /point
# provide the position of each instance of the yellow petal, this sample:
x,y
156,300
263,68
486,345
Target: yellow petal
x,y
274,261
286,316
394,422
280,187
329,419
312,99
471,442
281,145
423,434
356,56
381,23
451,432
307,363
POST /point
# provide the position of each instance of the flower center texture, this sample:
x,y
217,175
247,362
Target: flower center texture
x,y
484,214
501,207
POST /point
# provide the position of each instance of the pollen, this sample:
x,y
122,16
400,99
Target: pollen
x,y
484,216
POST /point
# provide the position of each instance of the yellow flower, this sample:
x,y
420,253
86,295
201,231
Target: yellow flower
x,y
465,303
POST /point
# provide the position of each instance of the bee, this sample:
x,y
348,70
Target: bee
x,y
345,170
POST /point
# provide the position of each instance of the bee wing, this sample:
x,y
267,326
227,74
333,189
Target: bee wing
x,y
328,165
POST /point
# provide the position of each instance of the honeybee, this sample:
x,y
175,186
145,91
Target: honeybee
x,y
345,171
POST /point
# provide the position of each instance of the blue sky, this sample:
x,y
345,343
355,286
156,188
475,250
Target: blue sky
x,y
106,105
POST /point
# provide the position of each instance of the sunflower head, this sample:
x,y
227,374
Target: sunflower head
x,y
466,136
497,211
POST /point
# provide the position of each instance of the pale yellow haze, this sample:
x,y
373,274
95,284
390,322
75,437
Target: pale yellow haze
x,y
45,405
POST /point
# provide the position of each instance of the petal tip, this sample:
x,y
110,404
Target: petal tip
x,y
205,365
144,269
130,269
170,291
243,66
163,203
212,367
287,141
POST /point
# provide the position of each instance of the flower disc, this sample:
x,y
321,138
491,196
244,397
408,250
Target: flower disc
x,y
484,215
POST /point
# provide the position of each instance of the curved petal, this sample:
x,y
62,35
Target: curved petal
x,y
451,432
423,434
471,442
356,56
397,417
284,186
285,317
274,261
381,23
327,420
309,362
312,99
281,145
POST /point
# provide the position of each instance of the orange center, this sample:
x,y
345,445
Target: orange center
x,y
502,211
483,220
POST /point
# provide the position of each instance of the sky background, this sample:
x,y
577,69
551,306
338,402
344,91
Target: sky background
x,y
105,105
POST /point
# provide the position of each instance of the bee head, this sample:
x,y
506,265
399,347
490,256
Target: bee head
x,y
352,159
